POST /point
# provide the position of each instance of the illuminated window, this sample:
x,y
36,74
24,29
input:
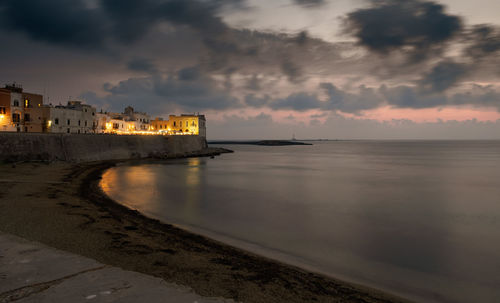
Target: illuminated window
x,y
27,103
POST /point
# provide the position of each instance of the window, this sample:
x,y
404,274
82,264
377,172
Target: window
x,y
93,114
69,122
27,103
16,118
180,124
16,102
187,130
85,123
56,121
67,130
2,110
27,117
78,122
174,123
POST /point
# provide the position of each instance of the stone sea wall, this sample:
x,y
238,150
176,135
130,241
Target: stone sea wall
x,y
93,147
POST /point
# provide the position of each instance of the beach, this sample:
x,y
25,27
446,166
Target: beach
x,y
61,205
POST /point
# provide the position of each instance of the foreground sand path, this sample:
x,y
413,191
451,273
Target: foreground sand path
x,y
62,206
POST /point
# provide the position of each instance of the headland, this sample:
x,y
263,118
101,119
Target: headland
x,y
261,142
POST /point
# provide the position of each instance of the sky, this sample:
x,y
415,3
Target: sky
x,y
262,69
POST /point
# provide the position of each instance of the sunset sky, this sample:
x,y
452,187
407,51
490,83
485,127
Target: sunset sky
x,y
337,69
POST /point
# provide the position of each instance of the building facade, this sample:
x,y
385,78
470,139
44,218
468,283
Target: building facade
x,y
73,118
25,112
181,125
19,110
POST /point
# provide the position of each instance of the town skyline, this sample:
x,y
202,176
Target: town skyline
x,y
320,69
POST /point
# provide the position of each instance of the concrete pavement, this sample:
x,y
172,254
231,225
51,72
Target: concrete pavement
x,y
33,272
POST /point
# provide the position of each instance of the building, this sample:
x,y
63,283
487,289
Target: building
x,y
74,118
181,125
140,121
25,112
19,110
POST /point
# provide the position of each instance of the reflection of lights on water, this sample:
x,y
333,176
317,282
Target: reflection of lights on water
x,y
193,188
138,182
193,172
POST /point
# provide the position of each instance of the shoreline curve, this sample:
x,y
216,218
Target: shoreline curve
x,y
358,291
64,207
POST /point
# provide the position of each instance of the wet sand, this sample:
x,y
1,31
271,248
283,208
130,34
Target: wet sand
x,y
61,205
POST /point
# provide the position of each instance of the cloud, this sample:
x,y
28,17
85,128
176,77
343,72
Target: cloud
x,y
75,24
141,65
310,3
444,75
254,101
339,127
55,21
412,97
298,101
291,70
186,89
413,26
365,98
484,40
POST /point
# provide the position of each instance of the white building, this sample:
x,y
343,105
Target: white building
x,y
74,118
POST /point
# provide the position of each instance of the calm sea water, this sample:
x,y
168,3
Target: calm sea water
x,y
416,218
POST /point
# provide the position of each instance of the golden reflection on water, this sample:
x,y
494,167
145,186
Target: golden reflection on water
x,y
193,190
193,172
139,181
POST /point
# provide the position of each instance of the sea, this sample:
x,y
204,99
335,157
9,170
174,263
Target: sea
x,y
419,219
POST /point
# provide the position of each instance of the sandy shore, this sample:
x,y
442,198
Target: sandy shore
x,y
61,205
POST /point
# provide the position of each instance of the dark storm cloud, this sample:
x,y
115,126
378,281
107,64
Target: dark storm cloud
x,y
117,26
142,65
443,76
309,3
186,89
298,102
411,97
364,98
254,101
72,23
55,21
291,70
412,25
336,99
484,40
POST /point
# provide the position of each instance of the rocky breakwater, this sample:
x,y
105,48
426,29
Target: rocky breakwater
x,y
92,147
